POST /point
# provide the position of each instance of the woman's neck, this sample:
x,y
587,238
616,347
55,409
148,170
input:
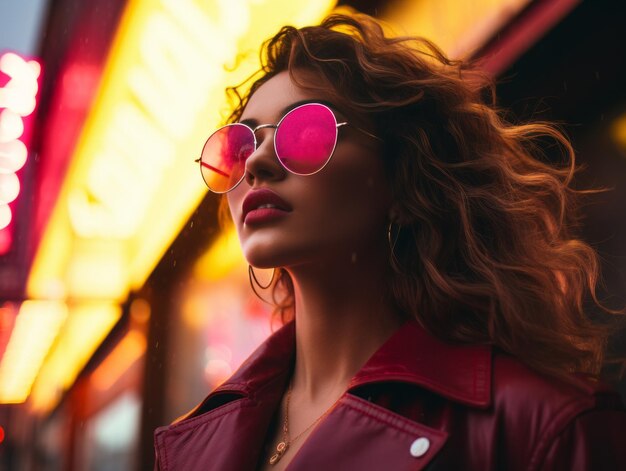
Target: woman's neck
x,y
342,318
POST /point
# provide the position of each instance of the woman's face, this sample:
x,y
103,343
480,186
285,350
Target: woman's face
x,y
339,213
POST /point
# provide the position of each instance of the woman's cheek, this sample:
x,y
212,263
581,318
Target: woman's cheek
x,y
235,200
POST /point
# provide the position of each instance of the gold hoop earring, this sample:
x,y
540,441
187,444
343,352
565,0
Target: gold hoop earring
x,y
252,277
392,245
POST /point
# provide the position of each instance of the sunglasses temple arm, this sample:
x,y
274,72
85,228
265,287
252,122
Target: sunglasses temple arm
x,y
362,130
216,170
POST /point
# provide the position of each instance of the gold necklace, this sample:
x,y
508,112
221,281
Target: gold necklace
x,y
286,442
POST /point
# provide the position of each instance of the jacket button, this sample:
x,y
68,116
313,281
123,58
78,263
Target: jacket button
x,y
419,447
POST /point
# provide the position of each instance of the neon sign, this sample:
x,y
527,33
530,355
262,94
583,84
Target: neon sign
x,y
18,99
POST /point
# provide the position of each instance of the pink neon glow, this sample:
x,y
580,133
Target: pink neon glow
x,y
5,215
19,86
6,237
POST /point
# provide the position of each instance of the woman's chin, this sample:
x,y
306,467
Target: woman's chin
x,y
261,265
265,251
262,258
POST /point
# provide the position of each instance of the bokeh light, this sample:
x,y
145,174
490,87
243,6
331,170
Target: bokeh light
x,y
9,187
12,156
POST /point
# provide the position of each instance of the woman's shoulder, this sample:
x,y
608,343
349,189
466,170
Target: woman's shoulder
x,y
515,383
570,422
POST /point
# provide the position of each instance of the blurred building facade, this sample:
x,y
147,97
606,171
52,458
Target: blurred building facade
x,y
133,302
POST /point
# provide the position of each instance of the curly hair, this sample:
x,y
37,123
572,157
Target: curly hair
x,y
484,251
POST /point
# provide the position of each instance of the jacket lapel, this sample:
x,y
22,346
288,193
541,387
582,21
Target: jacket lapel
x,y
229,437
228,429
359,435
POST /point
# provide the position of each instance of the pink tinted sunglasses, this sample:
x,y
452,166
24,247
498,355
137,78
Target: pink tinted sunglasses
x,y
304,142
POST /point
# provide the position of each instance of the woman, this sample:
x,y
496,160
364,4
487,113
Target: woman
x,y
425,272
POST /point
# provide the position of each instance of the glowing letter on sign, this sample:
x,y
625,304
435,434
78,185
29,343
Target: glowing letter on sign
x,y
18,98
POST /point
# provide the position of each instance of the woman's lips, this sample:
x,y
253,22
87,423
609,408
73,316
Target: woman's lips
x,y
263,215
263,205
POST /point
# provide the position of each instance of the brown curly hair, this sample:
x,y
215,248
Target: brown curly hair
x,y
485,252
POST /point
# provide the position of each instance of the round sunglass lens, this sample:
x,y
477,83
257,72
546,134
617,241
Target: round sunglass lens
x,y
224,156
306,138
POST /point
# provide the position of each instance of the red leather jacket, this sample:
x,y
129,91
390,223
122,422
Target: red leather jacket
x,y
418,403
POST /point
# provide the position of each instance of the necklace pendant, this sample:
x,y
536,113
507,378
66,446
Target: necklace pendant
x,y
280,451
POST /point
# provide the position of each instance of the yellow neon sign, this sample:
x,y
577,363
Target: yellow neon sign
x,y
85,328
132,183
36,328
132,179
457,27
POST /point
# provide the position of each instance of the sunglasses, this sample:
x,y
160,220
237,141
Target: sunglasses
x,y
304,141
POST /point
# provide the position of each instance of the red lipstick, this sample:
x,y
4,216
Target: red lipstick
x,y
262,206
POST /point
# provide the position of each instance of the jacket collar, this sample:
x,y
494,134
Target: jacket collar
x,y
244,405
461,373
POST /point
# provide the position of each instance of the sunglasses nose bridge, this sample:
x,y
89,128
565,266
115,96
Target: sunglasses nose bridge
x,y
261,139
263,162
264,126
269,137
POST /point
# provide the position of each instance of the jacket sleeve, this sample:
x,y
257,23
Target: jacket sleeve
x,y
157,466
594,441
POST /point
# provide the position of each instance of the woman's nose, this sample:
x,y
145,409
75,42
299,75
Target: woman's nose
x,y
263,163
